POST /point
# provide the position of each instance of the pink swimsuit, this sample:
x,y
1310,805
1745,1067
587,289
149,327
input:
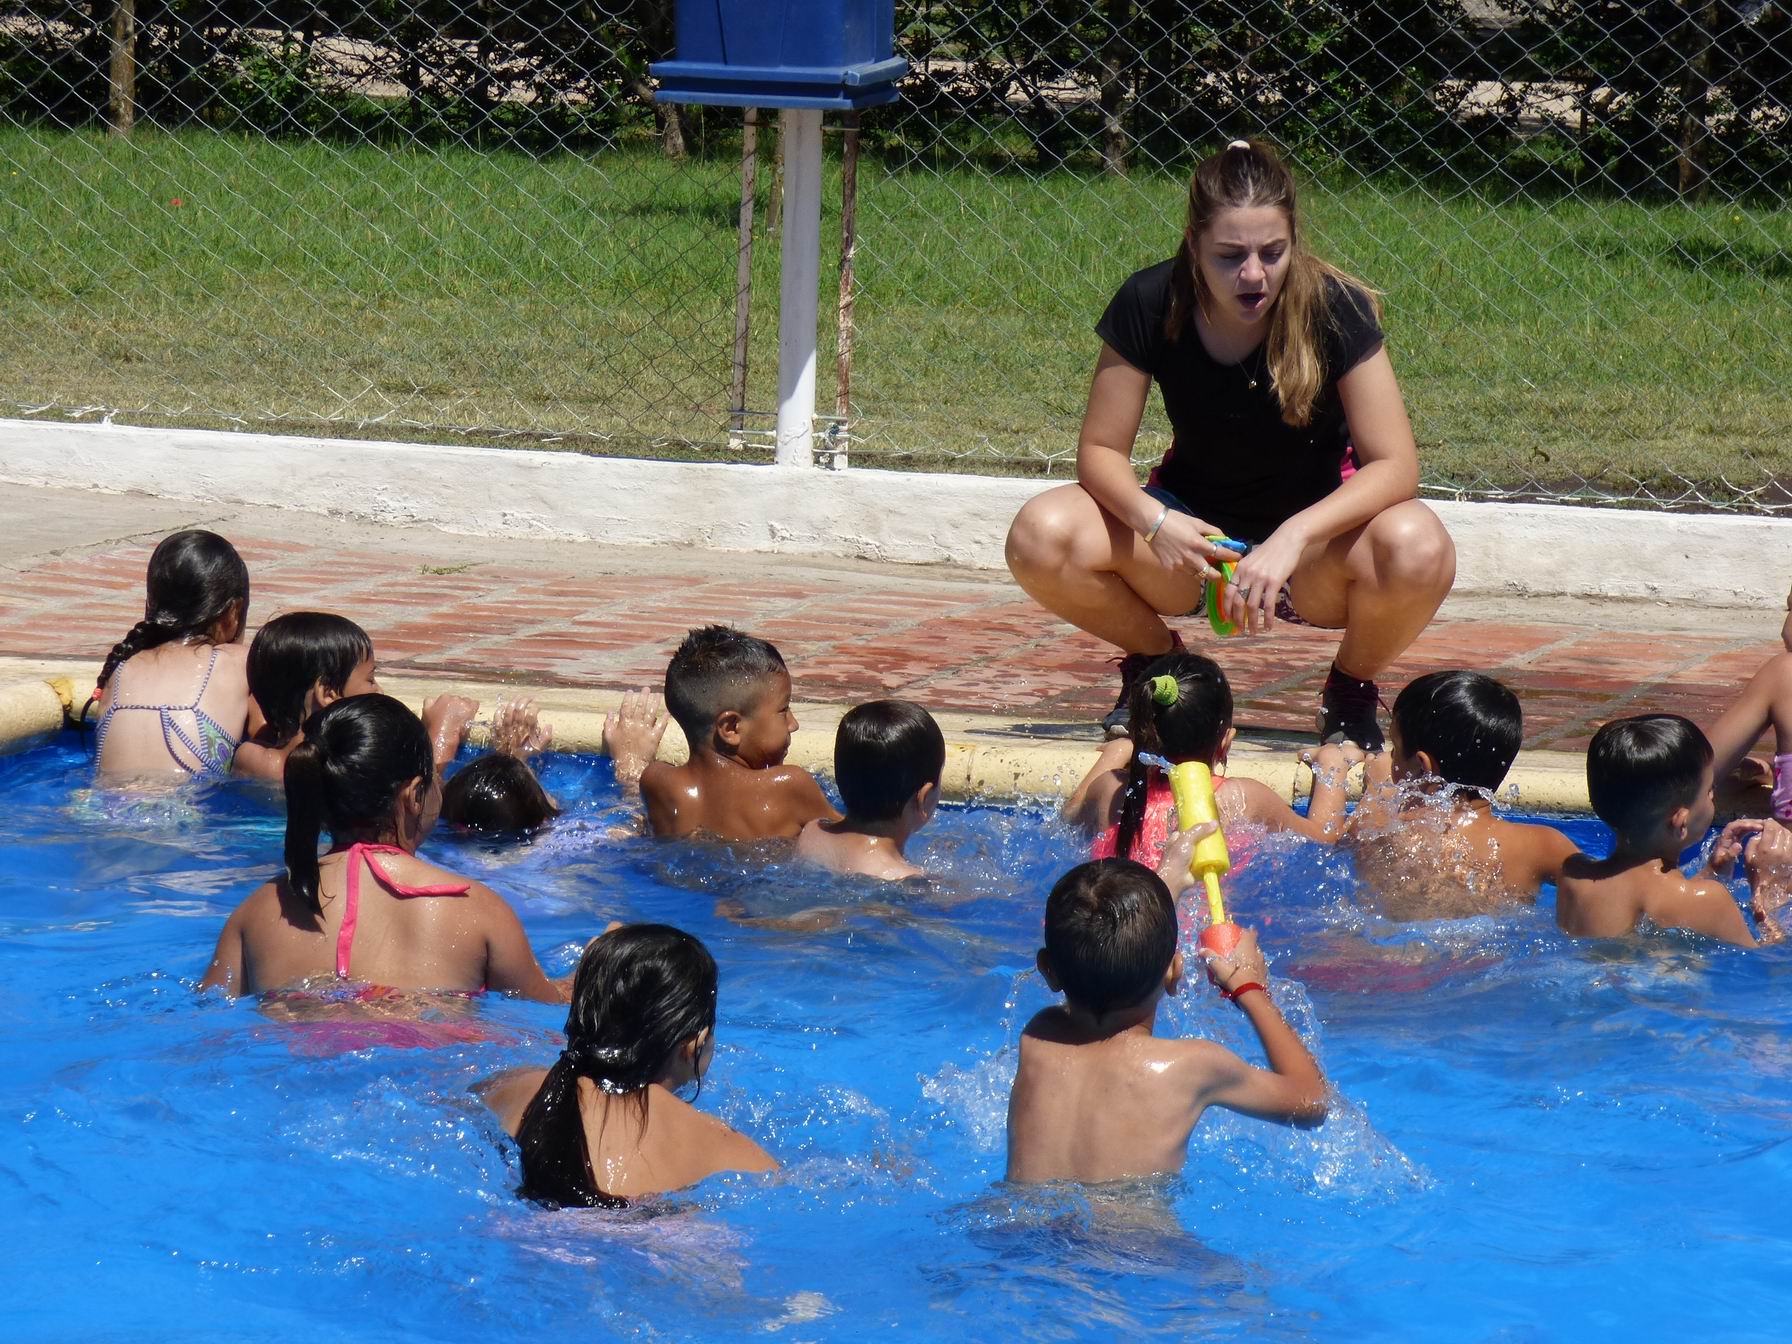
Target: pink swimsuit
x,y
1156,829
351,906
1782,789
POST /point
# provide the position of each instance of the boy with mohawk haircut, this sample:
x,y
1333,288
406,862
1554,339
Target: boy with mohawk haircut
x,y
730,694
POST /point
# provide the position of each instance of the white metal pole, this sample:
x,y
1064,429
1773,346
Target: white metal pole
x,y
799,285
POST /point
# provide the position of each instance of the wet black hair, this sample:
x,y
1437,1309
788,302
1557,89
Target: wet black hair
x,y
717,668
1110,931
884,753
292,653
1640,769
195,579
357,756
1469,724
1190,728
641,991
496,792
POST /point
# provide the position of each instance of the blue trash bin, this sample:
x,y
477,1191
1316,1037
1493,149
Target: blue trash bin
x,y
783,53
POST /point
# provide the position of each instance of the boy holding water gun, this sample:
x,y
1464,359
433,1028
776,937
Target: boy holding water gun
x,y
1099,1097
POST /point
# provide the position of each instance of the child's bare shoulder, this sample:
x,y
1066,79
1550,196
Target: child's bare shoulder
x,y
508,1094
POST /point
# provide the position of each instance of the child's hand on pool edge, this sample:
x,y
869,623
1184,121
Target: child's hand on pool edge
x,y
517,730
632,735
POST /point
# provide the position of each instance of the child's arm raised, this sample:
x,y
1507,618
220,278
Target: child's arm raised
x,y
632,734
1766,702
446,719
1324,821
1291,1090
1090,806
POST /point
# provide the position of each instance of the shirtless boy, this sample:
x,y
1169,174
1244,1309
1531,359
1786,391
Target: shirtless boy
x,y
1650,779
888,758
1434,849
1097,1096
730,694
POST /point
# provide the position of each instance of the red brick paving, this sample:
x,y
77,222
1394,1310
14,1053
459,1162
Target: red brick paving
x,y
953,642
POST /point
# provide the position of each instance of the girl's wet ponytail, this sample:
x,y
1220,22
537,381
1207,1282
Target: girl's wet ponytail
x,y
551,1140
1141,726
358,755
641,993
1179,709
304,822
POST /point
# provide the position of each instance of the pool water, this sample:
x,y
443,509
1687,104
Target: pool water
x,y
1530,1137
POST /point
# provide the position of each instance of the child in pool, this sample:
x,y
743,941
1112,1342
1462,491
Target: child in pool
x,y
1098,1097
305,661
730,694
499,791
370,910
1650,778
1766,702
1434,849
173,694
1180,710
604,1125
888,758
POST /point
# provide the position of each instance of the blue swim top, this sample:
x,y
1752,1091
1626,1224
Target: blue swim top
x,y
196,742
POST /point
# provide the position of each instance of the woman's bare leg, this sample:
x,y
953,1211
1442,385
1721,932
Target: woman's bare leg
x,y
1080,562
1382,582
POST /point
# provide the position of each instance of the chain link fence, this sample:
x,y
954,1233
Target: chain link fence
x,y
462,219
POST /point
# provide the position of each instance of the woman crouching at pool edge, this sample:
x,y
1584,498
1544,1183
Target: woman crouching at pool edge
x,y
370,912
1289,433
604,1126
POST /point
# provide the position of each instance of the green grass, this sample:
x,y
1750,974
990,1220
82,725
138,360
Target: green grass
x,y
586,302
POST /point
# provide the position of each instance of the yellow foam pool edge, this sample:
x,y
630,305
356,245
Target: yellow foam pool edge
x,y
987,757
30,711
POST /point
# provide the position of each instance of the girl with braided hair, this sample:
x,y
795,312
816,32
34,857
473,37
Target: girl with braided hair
x,y
604,1125
173,694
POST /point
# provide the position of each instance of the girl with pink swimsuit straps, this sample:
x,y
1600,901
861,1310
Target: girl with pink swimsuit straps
x,y
366,770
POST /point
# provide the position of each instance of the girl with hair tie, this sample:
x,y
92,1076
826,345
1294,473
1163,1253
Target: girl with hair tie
x,y
1290,434
369,911
604,1125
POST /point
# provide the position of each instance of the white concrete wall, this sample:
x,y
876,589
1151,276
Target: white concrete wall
x,y
906,517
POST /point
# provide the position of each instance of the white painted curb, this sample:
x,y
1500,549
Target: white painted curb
x,y
1537,550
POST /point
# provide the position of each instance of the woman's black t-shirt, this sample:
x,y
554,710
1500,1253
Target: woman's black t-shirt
x,y
1233,459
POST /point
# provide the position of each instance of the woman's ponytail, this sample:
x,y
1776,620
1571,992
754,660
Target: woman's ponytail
x,y
1183,297
304,822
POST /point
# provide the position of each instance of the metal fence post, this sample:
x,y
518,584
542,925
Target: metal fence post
x,y
799,298
743,275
